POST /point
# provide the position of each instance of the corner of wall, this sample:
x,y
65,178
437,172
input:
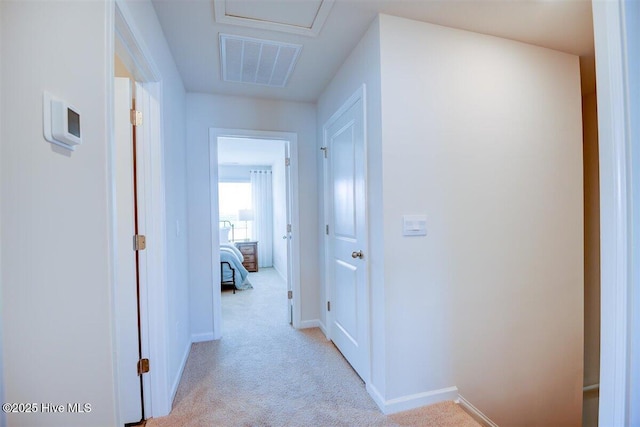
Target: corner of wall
x,y
475,413
315,323
202,337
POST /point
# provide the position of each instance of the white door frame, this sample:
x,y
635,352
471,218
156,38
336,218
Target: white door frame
x,y
616,26
294,242
124,38
360,93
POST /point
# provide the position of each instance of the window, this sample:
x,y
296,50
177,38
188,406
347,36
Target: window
x,y
232,197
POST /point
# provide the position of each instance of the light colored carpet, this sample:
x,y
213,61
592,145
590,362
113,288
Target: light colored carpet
x,y
264,373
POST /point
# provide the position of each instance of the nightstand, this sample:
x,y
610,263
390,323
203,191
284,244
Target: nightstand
x,y
249,251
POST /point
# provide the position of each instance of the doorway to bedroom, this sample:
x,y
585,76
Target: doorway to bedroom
x,y
255,218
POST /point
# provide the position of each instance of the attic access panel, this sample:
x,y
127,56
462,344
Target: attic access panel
x,y
299,17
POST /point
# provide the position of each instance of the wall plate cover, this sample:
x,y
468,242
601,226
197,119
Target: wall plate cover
x,y
414,225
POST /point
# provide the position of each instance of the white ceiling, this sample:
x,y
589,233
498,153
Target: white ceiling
x,y
192,33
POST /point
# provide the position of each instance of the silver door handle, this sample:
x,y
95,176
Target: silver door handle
x,y
284,237
357,254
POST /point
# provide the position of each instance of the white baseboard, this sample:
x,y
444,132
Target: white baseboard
x,y
306,324
207,336
475,412
411,401
183,363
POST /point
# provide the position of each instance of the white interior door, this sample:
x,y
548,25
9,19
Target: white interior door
x,y
288,230
346,257
126,298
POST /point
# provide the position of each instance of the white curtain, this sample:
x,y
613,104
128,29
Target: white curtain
x,y
262,200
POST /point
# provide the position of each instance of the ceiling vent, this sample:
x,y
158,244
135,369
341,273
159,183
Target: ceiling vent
x,y
261,62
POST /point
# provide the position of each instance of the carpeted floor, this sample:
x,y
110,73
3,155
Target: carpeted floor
x,y
264,373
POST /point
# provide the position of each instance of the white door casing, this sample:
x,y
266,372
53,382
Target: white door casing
x,y
346,241
125,294
616,26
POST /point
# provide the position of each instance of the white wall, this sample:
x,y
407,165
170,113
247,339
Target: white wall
x,y
56,282
483,135
363,66
175,152
206,111
234,173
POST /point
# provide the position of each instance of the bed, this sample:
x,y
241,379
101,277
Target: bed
x,y
232,272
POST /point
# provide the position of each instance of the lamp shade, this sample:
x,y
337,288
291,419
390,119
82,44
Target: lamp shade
x,y
245,215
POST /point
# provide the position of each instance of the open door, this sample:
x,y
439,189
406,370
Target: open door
x,y
126,292
287,235
153,341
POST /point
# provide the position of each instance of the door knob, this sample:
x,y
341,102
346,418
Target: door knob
x,y
357,254
284,237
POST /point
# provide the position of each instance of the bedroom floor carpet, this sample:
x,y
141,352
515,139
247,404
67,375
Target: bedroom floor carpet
x,y
264,373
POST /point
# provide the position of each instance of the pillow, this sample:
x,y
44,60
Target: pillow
x,y
224,235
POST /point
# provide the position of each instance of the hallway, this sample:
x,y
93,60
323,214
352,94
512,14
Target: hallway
x,y
264,373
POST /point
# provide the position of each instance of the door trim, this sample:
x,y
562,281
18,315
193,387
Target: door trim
x,y
359,94
124,39
614,24
294,241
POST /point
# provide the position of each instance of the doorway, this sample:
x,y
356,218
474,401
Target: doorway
x,y
263,224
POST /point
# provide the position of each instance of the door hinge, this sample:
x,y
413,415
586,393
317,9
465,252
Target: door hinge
x,y
139,242
136,118
328,305
324,151
326,229
288,228
289,294
287,161
143,366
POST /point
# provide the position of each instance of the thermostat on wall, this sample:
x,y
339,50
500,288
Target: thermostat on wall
x,y
61,123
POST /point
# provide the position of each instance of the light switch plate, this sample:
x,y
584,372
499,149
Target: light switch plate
x,y
414,225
